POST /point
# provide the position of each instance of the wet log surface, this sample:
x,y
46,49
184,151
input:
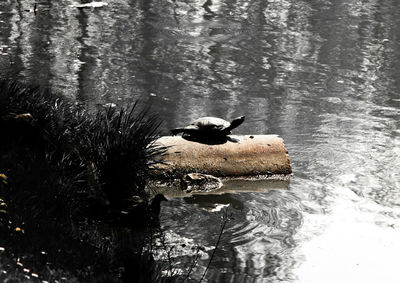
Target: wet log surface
x,y
242,155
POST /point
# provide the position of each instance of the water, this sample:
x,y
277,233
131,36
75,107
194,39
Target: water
x,y
321,74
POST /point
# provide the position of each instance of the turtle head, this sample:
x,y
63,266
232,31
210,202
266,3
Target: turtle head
x,y
160,198
236,122
155,203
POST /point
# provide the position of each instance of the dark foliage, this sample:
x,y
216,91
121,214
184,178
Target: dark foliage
x,y
71,156
67,171
123,152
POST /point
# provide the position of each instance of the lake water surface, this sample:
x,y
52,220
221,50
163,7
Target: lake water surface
x,y
324,75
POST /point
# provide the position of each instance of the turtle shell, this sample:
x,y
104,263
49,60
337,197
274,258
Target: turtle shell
x,y
208,124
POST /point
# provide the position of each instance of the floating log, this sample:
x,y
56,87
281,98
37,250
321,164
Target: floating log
x,y
242,155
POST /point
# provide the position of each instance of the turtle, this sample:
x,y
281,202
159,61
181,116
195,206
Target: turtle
x,y
209,127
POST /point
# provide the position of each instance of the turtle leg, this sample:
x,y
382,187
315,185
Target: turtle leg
x,y
176,131
232,139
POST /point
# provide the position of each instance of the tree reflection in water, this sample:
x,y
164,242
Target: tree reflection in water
x,y
321,74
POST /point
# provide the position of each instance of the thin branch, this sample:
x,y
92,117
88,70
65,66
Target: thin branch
x,y
163,242
195,259
224,221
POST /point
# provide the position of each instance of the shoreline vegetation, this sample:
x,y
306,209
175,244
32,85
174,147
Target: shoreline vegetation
x,y
73,205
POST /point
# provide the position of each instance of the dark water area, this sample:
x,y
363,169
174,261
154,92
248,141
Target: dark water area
x,y
324,75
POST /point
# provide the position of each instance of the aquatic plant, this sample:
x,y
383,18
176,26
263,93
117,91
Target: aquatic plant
x,y
106,157
122,150
68,169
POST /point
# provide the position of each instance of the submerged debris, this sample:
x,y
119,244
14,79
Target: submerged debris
x,y
198,182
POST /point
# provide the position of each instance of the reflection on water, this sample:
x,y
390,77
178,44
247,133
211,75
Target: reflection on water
x,y
214,202
321,74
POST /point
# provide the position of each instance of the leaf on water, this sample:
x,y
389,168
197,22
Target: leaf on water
x,y
90,5
3,178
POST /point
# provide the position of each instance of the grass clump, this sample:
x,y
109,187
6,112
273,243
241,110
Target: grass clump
x,y
65,171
